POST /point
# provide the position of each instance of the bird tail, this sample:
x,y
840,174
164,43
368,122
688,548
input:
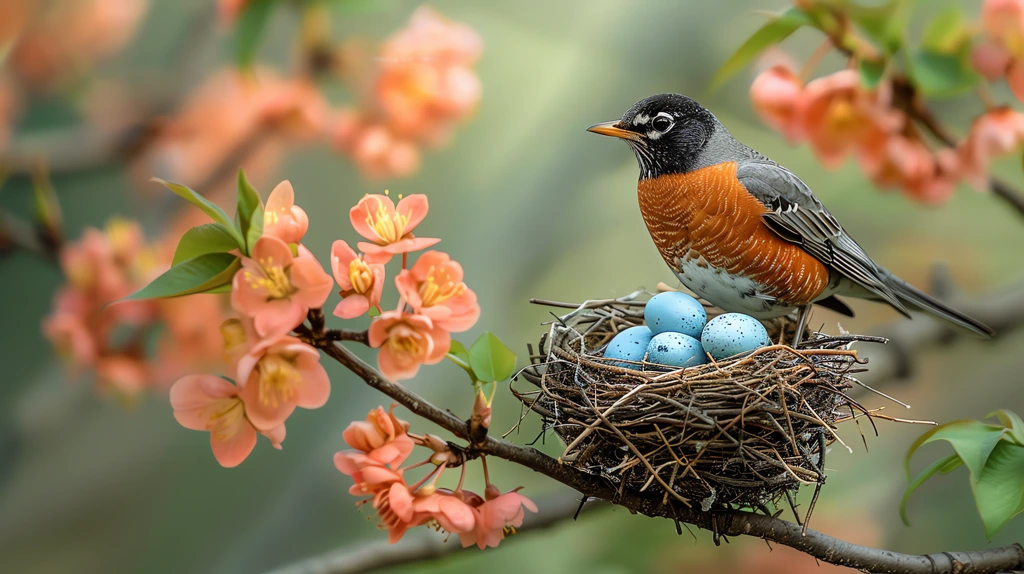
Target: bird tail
x,y
918,300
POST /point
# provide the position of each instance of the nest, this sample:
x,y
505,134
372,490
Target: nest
x,y
742,432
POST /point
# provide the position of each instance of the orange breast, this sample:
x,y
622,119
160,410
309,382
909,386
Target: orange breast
x,y
709,213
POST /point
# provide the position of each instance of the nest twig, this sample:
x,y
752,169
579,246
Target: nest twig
x,y
741,432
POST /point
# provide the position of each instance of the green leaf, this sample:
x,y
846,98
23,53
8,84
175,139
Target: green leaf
x,y
942,75
870,73
197,275
251,25
490,359
208,207
883,24
999,491
1010,420
772,32
206,238
947,33
973,441
249,212
459,355
943,466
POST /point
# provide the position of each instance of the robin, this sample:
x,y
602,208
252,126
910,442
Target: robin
x,y
742,231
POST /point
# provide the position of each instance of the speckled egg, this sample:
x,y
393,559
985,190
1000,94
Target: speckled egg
x,y
733,333
674,312
631,345
675,350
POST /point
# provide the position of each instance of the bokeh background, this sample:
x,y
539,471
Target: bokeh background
x,y
533,206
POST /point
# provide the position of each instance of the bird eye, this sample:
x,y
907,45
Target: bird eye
x,y
662,123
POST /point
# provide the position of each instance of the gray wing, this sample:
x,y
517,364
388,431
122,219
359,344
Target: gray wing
x,y
797,216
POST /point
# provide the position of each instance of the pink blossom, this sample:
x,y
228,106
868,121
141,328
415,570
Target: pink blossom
x,y
993,134
282,218
433,287
277,375
499,513
368,475
361,283
277,289
389,228
406,341
210,403
382,436
777,95
123,374
839,116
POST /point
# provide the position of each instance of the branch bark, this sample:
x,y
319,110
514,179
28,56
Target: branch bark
x,y
993,309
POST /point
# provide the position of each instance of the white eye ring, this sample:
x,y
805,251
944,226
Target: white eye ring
x,y
662,122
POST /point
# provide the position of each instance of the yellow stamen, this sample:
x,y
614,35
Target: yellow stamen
x,y
274,279
439,287
270,218
360,276
405,342
225,416
278,379
389,227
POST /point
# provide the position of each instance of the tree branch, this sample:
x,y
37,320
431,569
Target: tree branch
x,y
725,523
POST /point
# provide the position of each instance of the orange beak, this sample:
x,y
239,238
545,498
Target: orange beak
x,y
612,129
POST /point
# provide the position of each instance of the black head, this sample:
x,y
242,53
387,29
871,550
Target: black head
x,y
667,133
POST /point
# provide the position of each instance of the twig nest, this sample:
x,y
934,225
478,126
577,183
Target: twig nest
x,y
744,430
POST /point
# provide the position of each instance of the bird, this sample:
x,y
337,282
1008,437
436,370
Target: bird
x,y
744,232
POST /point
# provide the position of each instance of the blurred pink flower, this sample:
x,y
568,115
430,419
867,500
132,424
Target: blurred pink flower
x,y
361,282
282,218
69,36
1003,22
192,340
778,97
225,113
995,133
276,289
908,164
382,436
68,332
389,228
210,403
840,116
277,375
377,151
433,287
229,10
426,80
990,59
123,374
406,341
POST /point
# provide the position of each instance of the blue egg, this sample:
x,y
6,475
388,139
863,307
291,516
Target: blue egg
x,y
631,345
733,333
675,312
675,350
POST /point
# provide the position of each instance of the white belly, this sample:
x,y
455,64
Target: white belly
x,y
734,293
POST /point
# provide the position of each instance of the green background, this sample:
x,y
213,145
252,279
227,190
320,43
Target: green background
x,y
532,206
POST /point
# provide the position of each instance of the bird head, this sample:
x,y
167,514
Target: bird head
x,y
667,132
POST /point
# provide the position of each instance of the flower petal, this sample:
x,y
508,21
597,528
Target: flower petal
x,y
353,306
231,451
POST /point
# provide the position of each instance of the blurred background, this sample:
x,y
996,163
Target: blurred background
x,y
532,206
